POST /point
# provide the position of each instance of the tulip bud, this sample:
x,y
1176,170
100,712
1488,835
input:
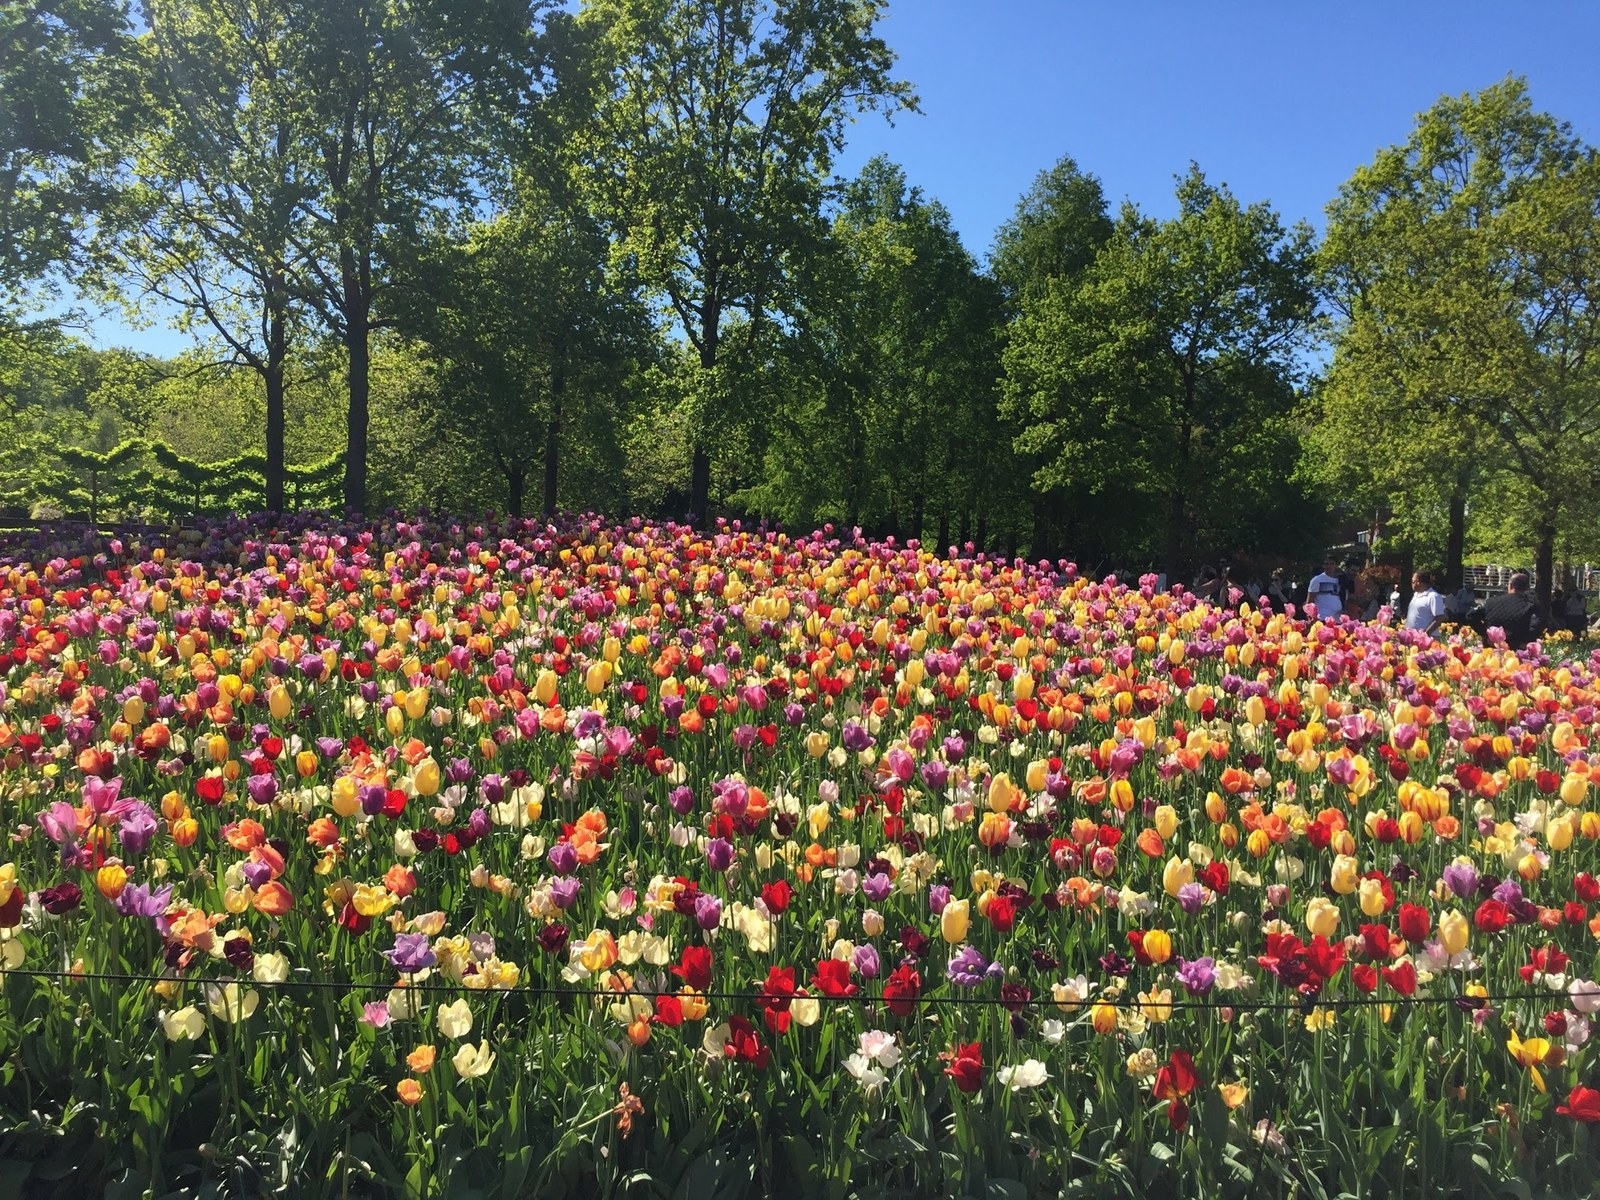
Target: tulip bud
x,y
1370,895
544,688
953,921
1453,932
1322,918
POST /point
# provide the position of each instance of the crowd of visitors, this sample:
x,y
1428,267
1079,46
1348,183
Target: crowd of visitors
x,y
1340,589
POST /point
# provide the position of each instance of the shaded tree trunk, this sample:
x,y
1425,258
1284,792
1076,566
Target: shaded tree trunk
x,y
516,477
359,370
1544,564
1456,539
273,378
1178,502
944,529
700,459
552,439
1408,567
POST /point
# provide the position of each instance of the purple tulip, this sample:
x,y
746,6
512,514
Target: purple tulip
x,y
719,854
1198,975
707,911
1191,898
411,953
136,900
563,858
564,891
968,968
1462,879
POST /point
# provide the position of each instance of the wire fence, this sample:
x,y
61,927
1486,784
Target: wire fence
x,y
1303,1004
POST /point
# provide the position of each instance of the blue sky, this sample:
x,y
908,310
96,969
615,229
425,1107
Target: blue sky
x,y
1280,101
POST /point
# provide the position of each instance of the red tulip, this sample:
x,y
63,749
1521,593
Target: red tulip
x,y
901,989
966,1066
694,967
1583,1104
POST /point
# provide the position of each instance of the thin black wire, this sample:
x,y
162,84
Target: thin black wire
x,y
1303,1005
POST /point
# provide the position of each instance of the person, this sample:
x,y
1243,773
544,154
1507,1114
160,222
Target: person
x,y
1458,607
1515,612
1352,588
1278,590
1577,613
1208,585
1325,590
1426,611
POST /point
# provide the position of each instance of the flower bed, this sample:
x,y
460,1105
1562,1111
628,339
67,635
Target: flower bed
x,y
439,859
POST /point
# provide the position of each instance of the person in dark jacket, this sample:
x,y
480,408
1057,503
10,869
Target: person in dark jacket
x,y
1514,612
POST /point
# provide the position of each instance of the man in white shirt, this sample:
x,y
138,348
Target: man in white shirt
x,y
1323,591
1427,606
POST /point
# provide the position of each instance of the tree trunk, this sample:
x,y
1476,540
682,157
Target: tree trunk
x,y
983,531
1544,565
1408,567
552,439
700,460
918,516
1455,547
360,384
1174,547
965,535
516,476
699,485
944,529
273,378
277,304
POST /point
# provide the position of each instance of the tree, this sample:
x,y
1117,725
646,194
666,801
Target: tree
x,y
1464,271
522,315
57,106
206,225
1175,350
710,153
1060,225
397,100
889,378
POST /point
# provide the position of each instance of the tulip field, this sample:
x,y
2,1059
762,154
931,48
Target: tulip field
x,y
442,859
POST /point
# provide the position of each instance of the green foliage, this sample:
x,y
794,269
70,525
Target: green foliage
x,y
58,103
533,343
709,155
889,389
1167,370
1464,268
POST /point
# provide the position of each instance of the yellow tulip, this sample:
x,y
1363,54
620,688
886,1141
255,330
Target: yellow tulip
x,y
1322,917
1158,945
1453,932
544,687
954,920
1346,875
1371,898
1177,873
426,777
1000,793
